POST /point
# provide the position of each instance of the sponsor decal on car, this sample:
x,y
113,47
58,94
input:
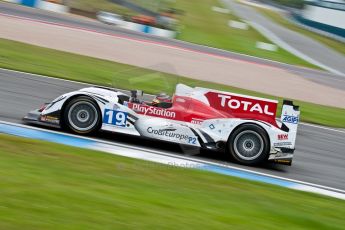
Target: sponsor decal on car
x,y
115,117
280,144
244,105
50,119
281,161
290,119
240,106
282,137
196,121
152,111
171,133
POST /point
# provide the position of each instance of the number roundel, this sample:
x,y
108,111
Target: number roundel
x,y
114,117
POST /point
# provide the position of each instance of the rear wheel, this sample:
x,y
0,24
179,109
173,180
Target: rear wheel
x,y
82,115
249,144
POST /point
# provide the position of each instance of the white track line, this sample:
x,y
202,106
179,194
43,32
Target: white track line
x,y
178,157
323,127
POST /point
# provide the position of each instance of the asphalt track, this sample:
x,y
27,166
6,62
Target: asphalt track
x,y
320,155
320,77
297,43
319,158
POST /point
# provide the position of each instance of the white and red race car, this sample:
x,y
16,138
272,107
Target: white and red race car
x,y
245,127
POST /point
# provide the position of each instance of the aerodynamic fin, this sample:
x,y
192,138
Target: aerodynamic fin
x,y
290,119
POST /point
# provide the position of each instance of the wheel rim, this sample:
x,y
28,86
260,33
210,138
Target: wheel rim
x,y
82,116
248,145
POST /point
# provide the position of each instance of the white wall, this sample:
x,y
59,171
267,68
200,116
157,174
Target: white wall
x,y
163,33
52,7
13,1
327,16
151,30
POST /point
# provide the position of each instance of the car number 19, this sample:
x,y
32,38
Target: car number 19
x,y
113,117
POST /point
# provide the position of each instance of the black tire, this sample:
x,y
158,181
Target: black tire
x,y
249,145
82,115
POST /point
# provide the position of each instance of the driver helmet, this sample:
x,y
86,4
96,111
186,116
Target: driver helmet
x,y
162,97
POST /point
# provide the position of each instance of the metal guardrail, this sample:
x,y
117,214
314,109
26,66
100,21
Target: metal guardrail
x,y
328,4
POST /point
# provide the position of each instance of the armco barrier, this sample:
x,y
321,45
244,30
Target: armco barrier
x,y
328,16
148,29
320,26
44,5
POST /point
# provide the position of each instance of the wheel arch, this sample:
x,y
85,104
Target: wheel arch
x,y
249,123
63,108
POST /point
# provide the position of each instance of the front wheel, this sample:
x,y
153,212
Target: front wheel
x,y
249,145
82,115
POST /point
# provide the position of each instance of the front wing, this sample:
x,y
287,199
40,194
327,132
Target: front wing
x,y
35,117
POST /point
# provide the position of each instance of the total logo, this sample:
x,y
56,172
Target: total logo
x,y
149,110
236,104
290,119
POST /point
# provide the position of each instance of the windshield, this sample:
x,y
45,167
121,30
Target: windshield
x,y
150,82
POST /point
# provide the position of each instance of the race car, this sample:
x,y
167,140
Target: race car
x,y
244,126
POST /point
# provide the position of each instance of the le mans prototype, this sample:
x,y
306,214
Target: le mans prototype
x,y
245,127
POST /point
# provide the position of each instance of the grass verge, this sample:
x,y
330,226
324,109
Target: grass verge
x,y
99,5
34,59
51,186
274,16
202,25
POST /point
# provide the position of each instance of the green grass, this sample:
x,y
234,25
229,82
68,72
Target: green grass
x,y
99,5
106,5
50,186
203,26
291,3
332,43
33,59
155,5
200,25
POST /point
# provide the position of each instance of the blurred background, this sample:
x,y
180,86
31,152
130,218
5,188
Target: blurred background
x,y
276,49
